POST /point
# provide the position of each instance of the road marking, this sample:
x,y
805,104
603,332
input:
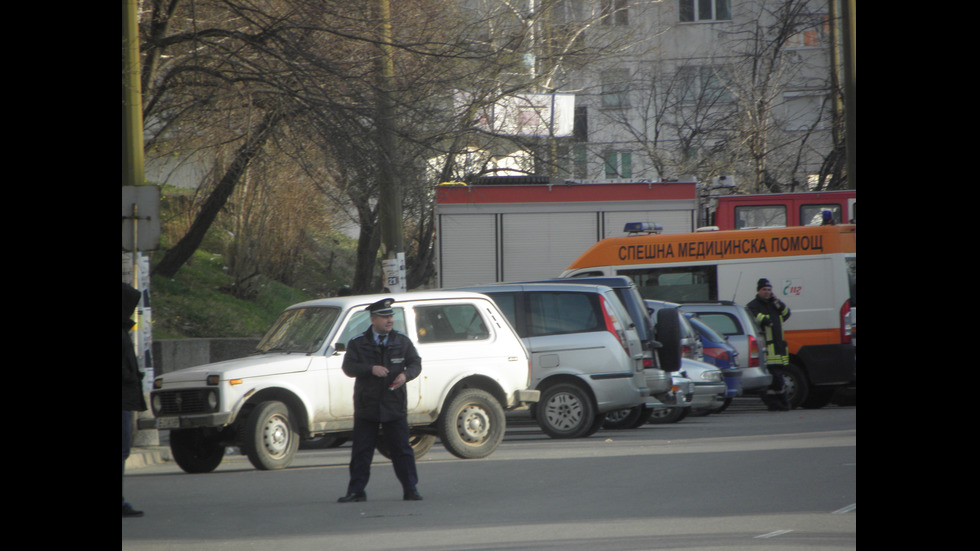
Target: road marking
x,y
773,534
847,509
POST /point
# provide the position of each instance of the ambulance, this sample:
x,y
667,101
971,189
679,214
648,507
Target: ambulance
x,y
812,269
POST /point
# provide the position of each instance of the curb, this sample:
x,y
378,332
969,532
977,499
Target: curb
x,y
147,456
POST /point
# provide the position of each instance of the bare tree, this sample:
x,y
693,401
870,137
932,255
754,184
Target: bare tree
x,y
217,90
763,70
254,81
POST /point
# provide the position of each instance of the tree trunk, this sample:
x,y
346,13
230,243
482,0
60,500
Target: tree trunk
x,y
368,242
421,268
182,251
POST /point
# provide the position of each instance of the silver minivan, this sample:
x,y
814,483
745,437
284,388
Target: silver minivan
x,y
734,322
586,357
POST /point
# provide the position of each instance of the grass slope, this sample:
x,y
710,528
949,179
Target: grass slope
x,y
193,304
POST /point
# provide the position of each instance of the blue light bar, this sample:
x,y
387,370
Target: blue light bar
x,y
643,227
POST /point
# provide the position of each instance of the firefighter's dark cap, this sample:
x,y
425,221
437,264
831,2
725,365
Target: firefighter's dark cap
x,y
762,283
381,308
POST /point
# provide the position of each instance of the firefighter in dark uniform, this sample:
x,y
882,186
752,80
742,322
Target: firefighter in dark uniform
x,y
770,312
381,360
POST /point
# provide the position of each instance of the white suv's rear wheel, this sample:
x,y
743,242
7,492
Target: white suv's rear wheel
x,y
472,424
420,442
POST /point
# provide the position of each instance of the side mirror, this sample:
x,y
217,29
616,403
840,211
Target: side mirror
x,y
339,347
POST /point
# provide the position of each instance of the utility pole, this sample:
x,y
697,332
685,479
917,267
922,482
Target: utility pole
x,y
133,175
850,90
132,130
390,192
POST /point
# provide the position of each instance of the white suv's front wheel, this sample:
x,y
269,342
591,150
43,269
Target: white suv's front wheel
x,y
196,450
270,439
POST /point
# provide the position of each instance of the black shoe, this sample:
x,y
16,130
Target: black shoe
x,y
128,511
413,495
353,497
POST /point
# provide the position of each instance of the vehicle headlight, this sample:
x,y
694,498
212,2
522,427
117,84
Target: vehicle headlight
x,y
213,400
711,376
156,403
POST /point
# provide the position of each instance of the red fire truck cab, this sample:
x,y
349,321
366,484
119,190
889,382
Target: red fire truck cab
x,y
785,209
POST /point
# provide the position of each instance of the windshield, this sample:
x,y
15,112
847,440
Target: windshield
x,y
300,330
706,330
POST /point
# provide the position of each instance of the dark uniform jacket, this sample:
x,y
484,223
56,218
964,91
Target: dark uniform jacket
x,y
372,398
771,320
132,377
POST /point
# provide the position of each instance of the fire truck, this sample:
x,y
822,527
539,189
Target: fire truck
x,y
735,212
529,228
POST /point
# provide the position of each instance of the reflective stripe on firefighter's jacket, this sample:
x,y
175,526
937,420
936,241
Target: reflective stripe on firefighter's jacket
x,y
771,320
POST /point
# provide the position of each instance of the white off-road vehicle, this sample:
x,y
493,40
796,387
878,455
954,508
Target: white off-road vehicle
x,y
474,367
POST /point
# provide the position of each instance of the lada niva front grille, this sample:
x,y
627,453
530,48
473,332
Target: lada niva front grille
x,y
176,402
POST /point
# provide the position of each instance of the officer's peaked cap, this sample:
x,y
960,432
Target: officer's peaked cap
x,y
381,308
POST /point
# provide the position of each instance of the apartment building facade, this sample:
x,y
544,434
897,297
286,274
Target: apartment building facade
x,y
739,89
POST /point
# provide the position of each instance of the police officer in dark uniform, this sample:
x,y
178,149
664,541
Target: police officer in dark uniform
x,y
382,361
770,312
132,385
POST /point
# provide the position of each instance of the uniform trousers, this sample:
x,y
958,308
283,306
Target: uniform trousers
x,y
365,438
127,441
775,396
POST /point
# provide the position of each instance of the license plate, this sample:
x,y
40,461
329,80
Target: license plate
x,y
168,422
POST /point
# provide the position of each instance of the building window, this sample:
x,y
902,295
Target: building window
x,y
573,161
570,11
813,36
580,126
619,164
614,12
704,84
615,88
704,10
580,161
802,112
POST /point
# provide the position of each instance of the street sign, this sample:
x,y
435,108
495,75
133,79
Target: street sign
x,y
394,273
140,217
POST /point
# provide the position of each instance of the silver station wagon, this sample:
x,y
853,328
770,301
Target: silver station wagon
x,y
586,356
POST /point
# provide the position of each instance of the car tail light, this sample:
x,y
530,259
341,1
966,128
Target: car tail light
x,y
845,324
717,353
753,352
612,324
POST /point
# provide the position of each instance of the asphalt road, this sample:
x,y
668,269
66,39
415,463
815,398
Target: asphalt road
x,y
742,479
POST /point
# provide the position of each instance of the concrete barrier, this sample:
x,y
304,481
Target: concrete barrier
x,y
173,354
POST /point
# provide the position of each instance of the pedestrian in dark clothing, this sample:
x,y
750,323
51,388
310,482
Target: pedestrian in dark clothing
x,y
381,360
770,312
132,384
